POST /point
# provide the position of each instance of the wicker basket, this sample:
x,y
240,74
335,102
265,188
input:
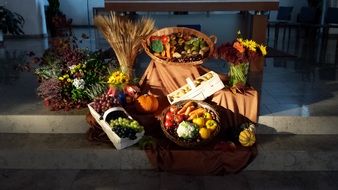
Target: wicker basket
x,y
166,31
191,143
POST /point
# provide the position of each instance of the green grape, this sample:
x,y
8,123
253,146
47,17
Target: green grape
x,y
126,124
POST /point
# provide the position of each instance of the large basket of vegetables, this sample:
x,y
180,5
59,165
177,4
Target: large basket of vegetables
x,y
190,123
179,45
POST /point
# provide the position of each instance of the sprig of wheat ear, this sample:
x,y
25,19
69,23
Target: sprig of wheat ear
x,y
124,36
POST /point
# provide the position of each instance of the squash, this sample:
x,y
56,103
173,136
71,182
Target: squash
x,y
247,137
146,103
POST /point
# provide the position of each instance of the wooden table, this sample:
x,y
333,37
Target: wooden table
x,y
191,5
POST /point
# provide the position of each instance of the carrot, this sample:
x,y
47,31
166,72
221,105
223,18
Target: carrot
x,y
167,50
191,117
185,106
196,111
189,109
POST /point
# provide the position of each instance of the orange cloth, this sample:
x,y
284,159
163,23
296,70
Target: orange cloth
x,y
160,79
216,158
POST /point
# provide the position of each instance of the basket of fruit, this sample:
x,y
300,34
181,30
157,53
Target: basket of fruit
x,y
190,123
179,45
120,127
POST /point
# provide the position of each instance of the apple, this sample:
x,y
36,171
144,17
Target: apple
x,y
168,124
169,116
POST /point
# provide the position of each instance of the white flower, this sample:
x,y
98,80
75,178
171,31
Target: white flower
x,y
79,83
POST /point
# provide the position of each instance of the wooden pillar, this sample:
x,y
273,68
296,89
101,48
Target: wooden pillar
x,y
258,34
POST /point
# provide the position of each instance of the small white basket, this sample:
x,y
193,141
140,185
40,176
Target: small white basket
x,y
118,142
199,89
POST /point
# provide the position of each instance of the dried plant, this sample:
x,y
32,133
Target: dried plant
x,y
125,37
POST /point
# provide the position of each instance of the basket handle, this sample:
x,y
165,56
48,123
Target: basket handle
x,y
213,38
145,46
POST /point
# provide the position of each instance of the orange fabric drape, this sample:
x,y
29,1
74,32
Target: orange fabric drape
x,y
220,157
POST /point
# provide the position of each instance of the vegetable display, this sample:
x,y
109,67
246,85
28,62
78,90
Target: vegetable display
x,y
190,121
179,47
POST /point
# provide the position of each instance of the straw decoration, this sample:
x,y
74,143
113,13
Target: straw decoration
x,y
125,37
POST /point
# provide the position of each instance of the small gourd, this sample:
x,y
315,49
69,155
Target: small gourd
x,y
247,136
146,103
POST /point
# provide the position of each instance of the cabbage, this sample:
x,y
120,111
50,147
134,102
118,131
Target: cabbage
x,y
157,46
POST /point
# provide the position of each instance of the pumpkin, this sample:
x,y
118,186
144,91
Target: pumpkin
x,y
247,137
146,103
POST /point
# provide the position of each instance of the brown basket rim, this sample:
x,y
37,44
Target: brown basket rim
x,y
188,144
170,30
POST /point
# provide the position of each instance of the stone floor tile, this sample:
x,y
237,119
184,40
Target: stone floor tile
x,y
233,181
176,182
36,179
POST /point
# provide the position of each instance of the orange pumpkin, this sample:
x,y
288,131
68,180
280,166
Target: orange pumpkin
x,y
146,104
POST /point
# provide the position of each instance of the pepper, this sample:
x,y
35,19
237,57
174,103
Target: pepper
x,y
164,39
211,124
207,116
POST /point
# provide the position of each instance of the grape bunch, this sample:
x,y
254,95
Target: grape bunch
x,y
104,102
125,132
125,127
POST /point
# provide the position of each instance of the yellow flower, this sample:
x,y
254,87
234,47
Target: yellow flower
x,y
118,78
69,80
60,78
250,44
263,49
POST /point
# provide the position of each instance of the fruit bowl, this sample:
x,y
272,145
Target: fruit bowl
x,y
187,46
190,123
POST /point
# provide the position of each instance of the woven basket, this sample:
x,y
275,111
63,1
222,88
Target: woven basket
x,y
167,31
190,143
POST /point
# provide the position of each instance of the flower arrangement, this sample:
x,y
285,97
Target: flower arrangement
x,y
71,77
239,54
241,50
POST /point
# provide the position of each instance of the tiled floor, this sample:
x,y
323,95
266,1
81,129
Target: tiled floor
x,y
303,85
111,179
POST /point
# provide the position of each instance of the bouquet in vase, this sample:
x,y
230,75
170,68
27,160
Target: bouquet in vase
x,y
239,54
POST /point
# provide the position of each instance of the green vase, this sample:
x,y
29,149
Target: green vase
x,y
238,74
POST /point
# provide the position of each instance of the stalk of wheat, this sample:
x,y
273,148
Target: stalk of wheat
x,y
125,37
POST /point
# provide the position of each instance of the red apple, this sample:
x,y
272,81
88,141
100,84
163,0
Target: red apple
x,y
169,116
168,124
